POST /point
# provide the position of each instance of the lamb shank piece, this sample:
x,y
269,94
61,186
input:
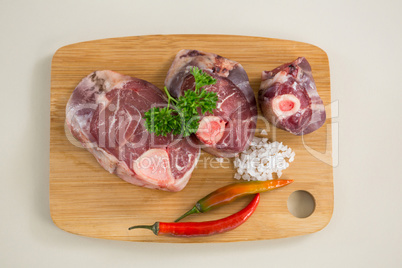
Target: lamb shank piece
x,y
105,113
230,128
289,99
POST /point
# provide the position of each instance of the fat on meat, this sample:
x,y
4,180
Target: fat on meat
x,y
106,114
289,99
229,129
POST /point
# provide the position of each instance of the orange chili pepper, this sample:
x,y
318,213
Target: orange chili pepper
x,y
231,192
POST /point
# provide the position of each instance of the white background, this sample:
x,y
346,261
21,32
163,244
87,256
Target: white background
x,y
363,40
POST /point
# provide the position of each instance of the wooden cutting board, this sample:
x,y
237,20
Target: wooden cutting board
x,y
87,200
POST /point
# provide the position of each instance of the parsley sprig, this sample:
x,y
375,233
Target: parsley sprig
x,y
182,116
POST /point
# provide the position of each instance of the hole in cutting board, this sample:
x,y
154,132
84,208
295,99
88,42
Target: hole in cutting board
x,y
301,204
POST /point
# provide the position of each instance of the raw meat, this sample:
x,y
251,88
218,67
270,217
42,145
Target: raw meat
x,y
289,99
230,128
105,113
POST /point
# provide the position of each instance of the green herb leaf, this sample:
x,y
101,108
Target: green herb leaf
x,y
184,117
201,79
166,121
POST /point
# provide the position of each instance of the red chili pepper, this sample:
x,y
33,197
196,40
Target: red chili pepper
x,y
231,192
191,229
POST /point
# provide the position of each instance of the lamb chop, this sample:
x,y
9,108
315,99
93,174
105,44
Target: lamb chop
x,y
289,99
229,129
105,113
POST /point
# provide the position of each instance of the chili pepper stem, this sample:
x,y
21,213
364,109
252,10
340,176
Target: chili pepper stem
x,y
191,211
154,227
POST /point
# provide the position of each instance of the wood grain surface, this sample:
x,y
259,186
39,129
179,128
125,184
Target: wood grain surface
x,y
87,200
